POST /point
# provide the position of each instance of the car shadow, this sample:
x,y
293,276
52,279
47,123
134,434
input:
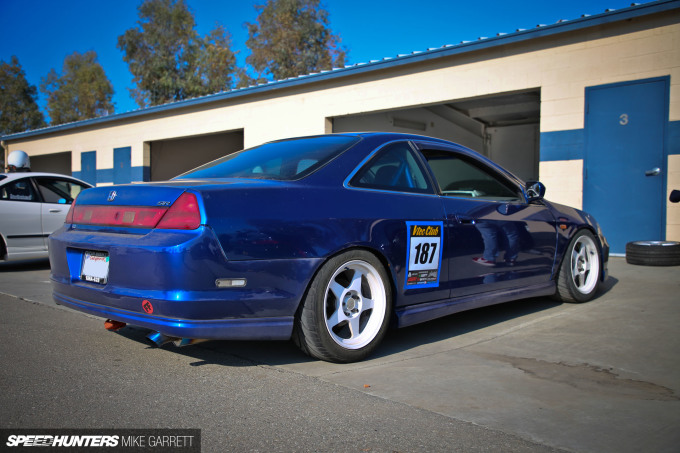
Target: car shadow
x,y
39,264
462,323
227,353
457,324
278,353
607,286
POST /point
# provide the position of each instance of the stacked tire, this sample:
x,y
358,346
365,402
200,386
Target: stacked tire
x,y
653,253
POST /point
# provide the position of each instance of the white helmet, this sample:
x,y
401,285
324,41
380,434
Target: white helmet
x,y
18,161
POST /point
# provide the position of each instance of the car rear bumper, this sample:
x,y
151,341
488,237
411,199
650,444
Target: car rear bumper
x,y
169,283
272,328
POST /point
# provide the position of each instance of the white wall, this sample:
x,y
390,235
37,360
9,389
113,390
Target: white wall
x,y
516,148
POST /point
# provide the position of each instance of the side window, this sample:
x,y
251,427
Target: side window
x,y
21,190
59,190
394,168
458,176
269,168
304,164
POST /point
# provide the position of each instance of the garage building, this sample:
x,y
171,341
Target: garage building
x,y
590,106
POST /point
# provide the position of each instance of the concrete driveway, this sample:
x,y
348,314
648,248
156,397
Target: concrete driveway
x,y
597,377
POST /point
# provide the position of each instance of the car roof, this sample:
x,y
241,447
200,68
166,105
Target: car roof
x,y
6,177
385,135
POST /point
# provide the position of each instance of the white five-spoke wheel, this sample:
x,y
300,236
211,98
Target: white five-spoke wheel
x,y
579,275
355,304
347,308
585,264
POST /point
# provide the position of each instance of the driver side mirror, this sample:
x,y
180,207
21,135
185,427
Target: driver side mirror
x,y
535,191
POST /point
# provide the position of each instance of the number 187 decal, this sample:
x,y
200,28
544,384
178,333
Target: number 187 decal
x,y
424,254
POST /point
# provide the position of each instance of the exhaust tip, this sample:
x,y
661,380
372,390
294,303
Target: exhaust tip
x,y
113,326
159,339
181,342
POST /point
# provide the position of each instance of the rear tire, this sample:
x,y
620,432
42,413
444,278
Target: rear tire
x,y
579,275
653,253
347,309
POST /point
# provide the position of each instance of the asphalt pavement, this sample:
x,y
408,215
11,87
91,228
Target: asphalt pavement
x,y
531,375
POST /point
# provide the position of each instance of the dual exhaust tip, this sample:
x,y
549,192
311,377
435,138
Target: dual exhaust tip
x,y
159,340
156,338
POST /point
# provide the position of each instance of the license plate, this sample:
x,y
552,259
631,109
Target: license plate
x,y
95,267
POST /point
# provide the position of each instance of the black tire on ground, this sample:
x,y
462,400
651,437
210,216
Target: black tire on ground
x,y
347,309
653,253
579,275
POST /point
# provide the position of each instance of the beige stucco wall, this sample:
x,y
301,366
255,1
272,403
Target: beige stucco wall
x,y
564,181
561,66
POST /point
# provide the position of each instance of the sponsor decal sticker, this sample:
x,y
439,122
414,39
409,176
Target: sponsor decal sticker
x,y
147,307
424,255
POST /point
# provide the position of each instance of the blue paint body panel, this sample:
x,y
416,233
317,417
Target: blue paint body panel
x,y
276,234
625,138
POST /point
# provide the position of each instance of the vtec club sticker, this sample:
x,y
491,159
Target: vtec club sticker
x,y
425,241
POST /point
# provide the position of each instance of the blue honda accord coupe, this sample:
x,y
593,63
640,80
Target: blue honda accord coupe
x,y
327,240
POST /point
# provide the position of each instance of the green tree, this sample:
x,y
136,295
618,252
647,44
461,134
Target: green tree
x,y
217,62
19,109
169,61
291,38
82,92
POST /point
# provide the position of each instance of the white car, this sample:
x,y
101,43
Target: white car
x,y
32,206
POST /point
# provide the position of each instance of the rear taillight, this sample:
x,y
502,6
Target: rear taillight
x,y
125,216
184,214
69,214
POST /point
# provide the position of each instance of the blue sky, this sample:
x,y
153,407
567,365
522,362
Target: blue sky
x,y
41,33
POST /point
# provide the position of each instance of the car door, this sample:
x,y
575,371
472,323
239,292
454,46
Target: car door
x,y
496,240
20,212
57,195
400,193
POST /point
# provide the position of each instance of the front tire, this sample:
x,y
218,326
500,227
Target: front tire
x,y
347,309
579,275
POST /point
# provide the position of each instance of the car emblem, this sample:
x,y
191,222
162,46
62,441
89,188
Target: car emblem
x,y
112,196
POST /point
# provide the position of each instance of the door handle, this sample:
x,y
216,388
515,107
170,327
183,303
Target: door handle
x,y
54,211
465,220
653,172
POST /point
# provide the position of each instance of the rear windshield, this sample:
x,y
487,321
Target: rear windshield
x,y
284,160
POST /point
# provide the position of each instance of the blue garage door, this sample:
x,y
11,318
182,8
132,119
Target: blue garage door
x,y
624,171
